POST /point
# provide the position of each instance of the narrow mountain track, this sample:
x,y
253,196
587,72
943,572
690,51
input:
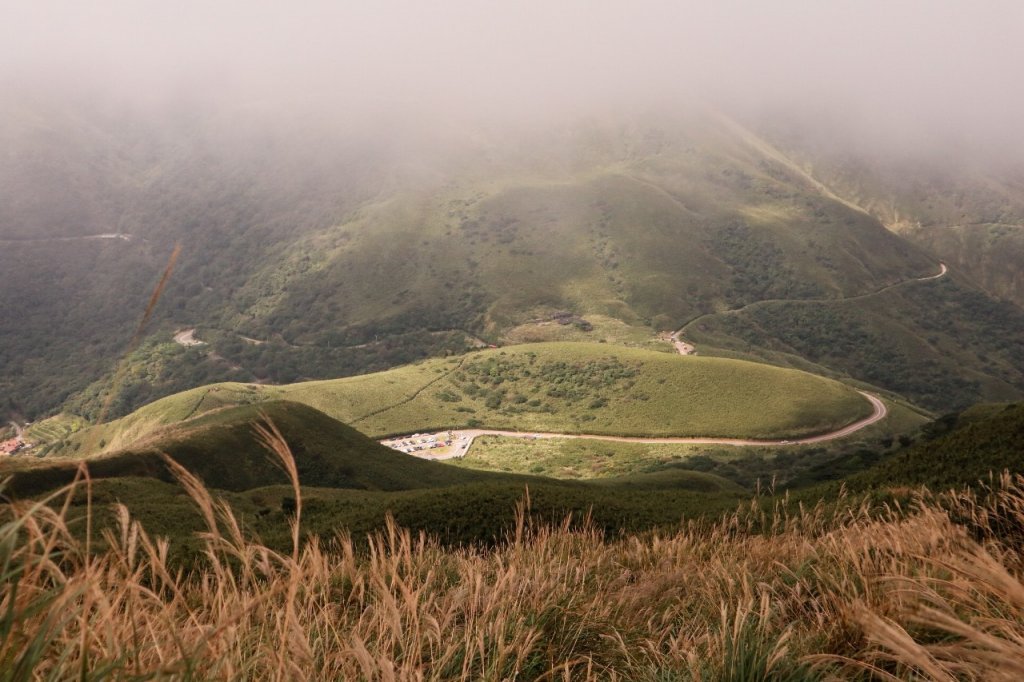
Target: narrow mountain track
x,y
85,237
682,346
411,396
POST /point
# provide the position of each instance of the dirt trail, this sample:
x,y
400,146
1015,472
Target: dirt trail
x,y
682,347
85,237
464,437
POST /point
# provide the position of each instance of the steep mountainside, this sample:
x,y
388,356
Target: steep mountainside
x,y
314,255
961,204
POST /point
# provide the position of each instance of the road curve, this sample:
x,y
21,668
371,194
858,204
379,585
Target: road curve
x,y
942,273
187,338
464,438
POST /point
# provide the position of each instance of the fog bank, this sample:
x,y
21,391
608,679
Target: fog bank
x,y
911,72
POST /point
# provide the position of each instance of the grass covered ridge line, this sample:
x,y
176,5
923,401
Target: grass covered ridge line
x,y
601,389
559,387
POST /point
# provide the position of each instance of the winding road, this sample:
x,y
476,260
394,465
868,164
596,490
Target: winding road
x,y
463,438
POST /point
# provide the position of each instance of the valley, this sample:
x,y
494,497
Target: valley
x,y
511,341
471,252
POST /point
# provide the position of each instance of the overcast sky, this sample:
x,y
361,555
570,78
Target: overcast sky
x,y
895,65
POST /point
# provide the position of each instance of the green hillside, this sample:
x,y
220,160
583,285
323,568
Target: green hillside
x,y
349,482
959,449
966,209
940,343
590,388
989,253
785,464
223,450
562,387
360,259
352,483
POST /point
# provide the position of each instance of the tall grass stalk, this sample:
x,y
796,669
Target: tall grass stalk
x,y
930,591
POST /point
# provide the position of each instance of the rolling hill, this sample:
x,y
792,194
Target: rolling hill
x,y
362,258
350,483
561,387
222,449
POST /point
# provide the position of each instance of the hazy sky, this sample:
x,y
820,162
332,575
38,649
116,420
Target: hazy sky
x,y
896,65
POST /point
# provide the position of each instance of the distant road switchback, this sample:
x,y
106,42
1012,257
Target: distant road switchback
x,y
685,348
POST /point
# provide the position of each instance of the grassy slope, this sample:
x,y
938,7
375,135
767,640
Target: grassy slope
x,y
939,343
558,226
221,448
960,449
569,458
642,393
583,388
355,483
351,482
591,459
957,450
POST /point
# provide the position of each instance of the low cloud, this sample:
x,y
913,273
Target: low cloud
x,y
895,72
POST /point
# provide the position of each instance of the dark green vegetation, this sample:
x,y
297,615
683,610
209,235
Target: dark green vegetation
x,y
351,482
958,449
939,342
317,258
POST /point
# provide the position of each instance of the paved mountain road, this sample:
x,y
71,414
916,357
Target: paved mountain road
x,y
463,438
85,237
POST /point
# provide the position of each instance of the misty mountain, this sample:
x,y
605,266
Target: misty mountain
x,y
311,254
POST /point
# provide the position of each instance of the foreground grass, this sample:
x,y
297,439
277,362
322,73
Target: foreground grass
x,y
931,592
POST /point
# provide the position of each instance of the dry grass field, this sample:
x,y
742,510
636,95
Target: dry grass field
x,y
932,591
